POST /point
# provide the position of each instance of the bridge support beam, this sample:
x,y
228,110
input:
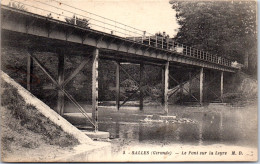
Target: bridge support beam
x,y
95,88
221,85
181,91
166,86
60,103
29,71
201,86
117,85
141,104
163,78
190,84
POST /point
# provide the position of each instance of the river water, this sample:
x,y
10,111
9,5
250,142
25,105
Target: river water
x,y
192,126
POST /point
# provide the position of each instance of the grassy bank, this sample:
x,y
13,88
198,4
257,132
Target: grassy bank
x,y
26,132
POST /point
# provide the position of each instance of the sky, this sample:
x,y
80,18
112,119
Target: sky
x,y
147,15
150,15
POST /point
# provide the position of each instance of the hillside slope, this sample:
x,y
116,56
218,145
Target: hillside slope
x,y
30,130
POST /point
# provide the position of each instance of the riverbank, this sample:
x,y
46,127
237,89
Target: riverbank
x,y
32,132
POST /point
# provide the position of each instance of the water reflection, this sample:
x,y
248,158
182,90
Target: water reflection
x,y
213,127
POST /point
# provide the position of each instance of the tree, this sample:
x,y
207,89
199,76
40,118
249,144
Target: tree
x,y
82,22
226,28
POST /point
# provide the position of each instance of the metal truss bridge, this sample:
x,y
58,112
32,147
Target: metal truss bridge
x,y
64,29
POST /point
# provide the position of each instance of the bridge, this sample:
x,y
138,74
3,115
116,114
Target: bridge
x,y
39,29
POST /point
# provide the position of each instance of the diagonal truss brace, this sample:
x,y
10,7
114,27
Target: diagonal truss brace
x,y
138,90
180,84
63,90
207,86
76,71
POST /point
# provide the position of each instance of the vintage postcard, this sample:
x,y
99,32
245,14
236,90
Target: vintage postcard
x,y
129,81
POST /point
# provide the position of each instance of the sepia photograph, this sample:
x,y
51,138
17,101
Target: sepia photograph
x,y
129,81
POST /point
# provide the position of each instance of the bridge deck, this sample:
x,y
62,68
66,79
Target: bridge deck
x,y
40,32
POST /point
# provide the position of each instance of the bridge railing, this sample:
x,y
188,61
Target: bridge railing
x,y
78,17
171,45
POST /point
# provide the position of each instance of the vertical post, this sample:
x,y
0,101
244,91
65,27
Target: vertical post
x,y
167,42
166,86
143,37
163,83
201,85
162,42
60,104
190,82
181,91
141,85
155,40
95,88
29,71
117,85
221,85
75,20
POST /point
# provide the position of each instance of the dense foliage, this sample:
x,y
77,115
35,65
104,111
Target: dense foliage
x,y
226,28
